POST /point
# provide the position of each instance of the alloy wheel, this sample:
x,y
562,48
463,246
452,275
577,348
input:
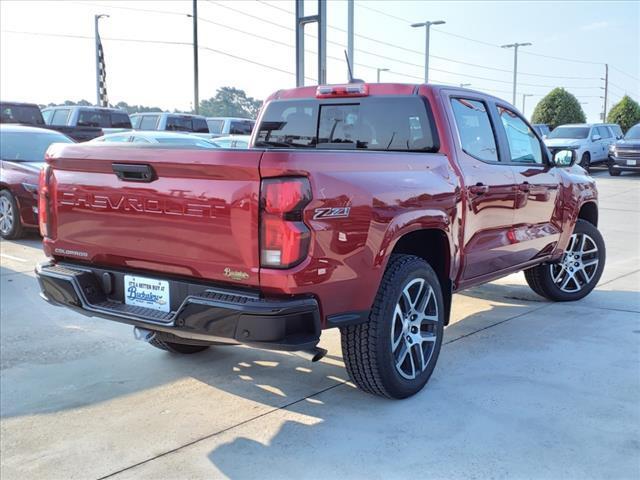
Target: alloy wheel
x,y
578,265
6,215
413,331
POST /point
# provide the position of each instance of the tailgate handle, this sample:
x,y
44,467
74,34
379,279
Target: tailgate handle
x,y
134,173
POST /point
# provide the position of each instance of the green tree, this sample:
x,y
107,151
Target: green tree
x,y
625,113
136,108
557,108
230,102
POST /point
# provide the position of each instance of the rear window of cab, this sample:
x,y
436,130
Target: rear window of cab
x,y
393,123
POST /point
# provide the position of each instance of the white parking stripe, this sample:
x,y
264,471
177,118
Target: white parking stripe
x,y
11,257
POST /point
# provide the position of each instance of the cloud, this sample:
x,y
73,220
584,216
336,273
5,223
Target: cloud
x,y
595,26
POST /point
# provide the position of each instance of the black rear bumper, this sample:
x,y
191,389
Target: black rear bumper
x,y
199,312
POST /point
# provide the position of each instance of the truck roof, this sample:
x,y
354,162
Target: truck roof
x,y
87,107
376,89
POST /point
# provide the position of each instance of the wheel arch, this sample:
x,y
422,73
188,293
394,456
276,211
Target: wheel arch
x,y
589,212
432,245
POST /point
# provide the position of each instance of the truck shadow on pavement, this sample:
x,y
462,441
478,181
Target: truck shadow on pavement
x,y
101,369
498,396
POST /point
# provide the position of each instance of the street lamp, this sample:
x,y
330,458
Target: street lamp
x,y
378,73
462,85
99,62
427,26
515,47
194,15
524,97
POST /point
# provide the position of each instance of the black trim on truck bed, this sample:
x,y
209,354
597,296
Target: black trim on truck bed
x,y
204,313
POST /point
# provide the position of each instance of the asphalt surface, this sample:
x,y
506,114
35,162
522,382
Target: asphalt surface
x,y
524,388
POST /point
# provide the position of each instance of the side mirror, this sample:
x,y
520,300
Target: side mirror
x,y
544,137
564,158
595,138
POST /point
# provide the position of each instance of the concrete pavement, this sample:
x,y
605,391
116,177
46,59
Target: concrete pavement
x,y
524,388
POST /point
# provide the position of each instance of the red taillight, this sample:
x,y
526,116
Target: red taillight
x,y
43,201
284,238
349,90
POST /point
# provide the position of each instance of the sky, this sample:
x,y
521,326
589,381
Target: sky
x,y
47,49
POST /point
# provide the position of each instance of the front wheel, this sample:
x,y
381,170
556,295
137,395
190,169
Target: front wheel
x,y
585,161
614,172
394,353
579,270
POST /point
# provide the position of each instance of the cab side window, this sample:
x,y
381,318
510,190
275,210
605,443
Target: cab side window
x,y
524,146
604,132
148,122
474,126
60,116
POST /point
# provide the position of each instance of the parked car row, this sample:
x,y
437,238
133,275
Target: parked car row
x,y
83,123
591,142
624,155
22,150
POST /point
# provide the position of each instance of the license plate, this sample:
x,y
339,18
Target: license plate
x,y
146,292
631,162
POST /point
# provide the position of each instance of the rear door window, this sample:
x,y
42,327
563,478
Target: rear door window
x,y
149,122
474,127
241,127
376,123
120,120
94,118
179,124
60,116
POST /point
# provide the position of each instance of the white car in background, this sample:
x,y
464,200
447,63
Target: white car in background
x,y
224,126
233,141
590,141
157,137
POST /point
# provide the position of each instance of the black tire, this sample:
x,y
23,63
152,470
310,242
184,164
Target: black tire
x,y
585,161
541,279
16,229
367,348
177,347
613,172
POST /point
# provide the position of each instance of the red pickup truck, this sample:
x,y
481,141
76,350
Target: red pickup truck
x,y
360,206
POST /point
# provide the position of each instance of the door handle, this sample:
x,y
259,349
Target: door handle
x,y
479,188
524,187
134,172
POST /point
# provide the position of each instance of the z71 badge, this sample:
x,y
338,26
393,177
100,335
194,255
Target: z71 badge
x,y
337,212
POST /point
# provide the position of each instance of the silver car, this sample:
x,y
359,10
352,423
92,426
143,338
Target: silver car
x,y
163,138
590,141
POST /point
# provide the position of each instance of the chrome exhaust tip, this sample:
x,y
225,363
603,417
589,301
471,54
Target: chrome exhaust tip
x,y
314,354
143,334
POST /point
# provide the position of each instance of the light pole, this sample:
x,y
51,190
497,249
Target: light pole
x,y
196,96
524,97
99,61
378,73
427,26
462,85
515,47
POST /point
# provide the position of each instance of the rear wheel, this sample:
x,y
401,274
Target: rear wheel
x,y
579,270
10,224
585,161
177,347
614,172
395,352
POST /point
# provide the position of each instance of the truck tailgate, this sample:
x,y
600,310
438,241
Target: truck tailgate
x,y
197,217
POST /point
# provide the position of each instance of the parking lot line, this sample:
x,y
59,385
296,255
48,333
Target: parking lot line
x,y
11,257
